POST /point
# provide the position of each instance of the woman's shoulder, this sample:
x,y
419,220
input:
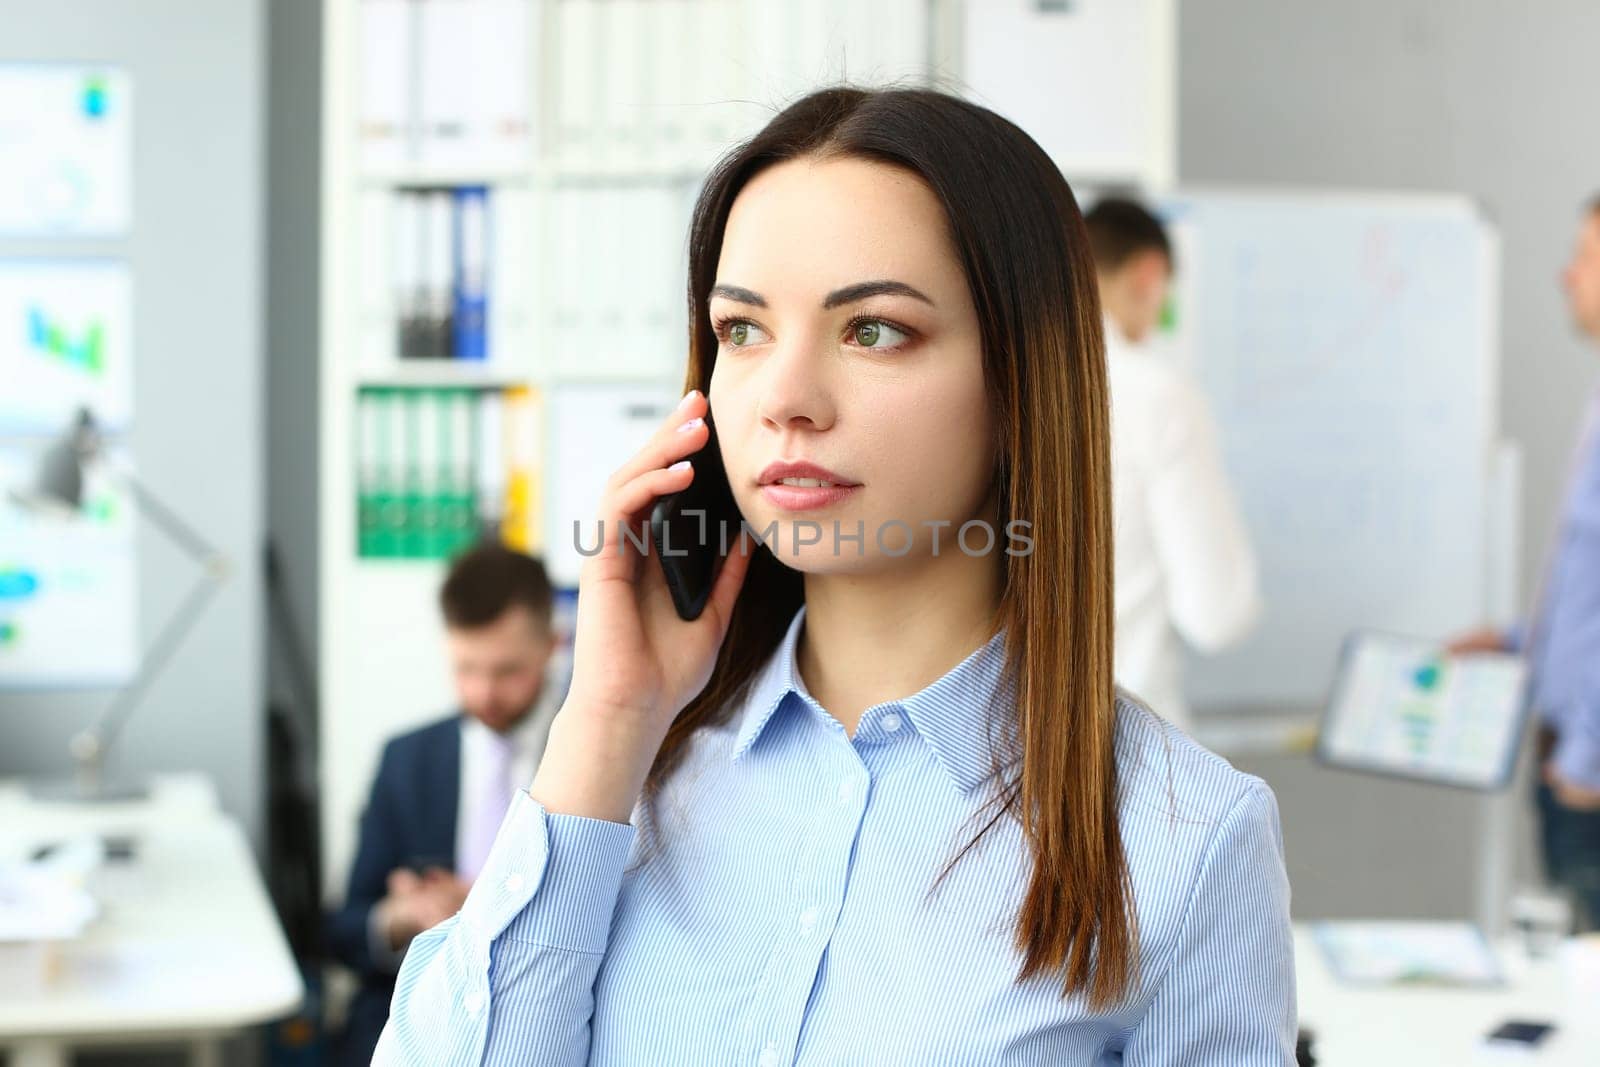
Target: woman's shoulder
x,y
1182,804
1159,766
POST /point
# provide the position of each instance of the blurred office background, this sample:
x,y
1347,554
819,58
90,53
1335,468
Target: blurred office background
x,y
288,180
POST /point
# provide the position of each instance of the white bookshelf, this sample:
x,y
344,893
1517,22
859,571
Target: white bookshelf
x,y
629,102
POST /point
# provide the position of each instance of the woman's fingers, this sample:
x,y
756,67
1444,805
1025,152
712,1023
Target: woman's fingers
x,y
632,502
677,436
725,590
623,508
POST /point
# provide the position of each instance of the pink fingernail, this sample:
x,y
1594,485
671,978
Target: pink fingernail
x,y
690,395
682,464
691,424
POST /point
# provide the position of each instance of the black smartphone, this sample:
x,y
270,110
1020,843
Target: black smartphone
x,y
1520,1033
694,530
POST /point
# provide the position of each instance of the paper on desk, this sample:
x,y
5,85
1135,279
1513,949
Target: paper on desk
x,y
45,899
1436,953
1583,968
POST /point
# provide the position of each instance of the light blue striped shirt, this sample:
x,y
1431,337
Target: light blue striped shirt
x,y
780,911
1564,649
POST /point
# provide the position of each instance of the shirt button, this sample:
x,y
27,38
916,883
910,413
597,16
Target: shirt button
x,y
513,883
847,791
473,1002
891,723
808,919
768,1058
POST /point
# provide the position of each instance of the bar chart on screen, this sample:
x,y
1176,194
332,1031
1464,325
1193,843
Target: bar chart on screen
x,y
1403,706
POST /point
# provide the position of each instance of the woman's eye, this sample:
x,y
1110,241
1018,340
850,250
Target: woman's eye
x,y
874,333
741,333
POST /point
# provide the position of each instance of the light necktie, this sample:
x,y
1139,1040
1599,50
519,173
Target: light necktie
x,y
491,800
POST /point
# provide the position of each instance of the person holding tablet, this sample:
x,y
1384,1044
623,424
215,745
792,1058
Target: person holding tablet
x,y
880,802
1562,640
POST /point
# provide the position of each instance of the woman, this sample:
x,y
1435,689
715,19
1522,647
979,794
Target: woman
x,y
880,803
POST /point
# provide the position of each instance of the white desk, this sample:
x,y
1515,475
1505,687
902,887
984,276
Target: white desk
x,y
1419,1027
187,947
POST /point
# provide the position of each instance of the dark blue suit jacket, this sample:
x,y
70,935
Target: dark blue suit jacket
x,y
409,821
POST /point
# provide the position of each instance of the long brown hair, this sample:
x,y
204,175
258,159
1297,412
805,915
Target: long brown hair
x,y
1020,237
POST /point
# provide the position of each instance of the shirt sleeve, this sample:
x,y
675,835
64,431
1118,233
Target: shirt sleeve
x,y
1577,752
1227,998
384,955
510,977
1200,536
1515,637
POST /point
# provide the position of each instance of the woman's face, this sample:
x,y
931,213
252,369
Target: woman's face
x,y
847,339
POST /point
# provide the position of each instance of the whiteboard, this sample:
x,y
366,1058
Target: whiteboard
x,y
1348,345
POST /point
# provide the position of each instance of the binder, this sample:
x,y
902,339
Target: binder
x,y
457,511
489,465
471,317
433,430
413,541
568,218
501,43
439,287
524,431
669,33
410,274
619,64
445,63
369,473
384,130
425,458
391,500
578,81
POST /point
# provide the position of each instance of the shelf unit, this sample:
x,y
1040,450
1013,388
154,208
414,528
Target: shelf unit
x,y
622,149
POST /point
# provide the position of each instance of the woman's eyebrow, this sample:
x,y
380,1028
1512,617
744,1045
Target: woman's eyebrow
x,y
743,296
851,293
848,294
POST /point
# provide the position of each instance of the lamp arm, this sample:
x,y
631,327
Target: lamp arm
x,y
100,737
184,535
110,721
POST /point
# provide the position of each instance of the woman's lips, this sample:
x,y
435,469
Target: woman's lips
x,y
803,497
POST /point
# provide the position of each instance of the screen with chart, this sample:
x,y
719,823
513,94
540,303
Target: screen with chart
x,y
68,602
66,134
1402,706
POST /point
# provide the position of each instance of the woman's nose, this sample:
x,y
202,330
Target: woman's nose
x,y
795,389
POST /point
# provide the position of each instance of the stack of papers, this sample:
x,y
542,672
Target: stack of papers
x,y
1389,953
45,899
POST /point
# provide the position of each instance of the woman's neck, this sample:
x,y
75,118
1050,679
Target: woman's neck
x,y
878,637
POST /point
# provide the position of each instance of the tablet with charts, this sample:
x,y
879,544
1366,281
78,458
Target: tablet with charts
x,y
1403,706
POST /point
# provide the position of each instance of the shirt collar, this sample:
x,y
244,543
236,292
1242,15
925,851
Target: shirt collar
x,y
1117,343
956,715
529,734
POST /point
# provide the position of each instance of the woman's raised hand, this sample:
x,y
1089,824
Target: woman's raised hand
x,y
636,664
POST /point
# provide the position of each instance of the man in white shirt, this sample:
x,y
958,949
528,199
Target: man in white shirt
x,y
1185,569
442,791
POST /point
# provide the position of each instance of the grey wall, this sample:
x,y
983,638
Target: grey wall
x,y
294,183
196,253
1486,97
